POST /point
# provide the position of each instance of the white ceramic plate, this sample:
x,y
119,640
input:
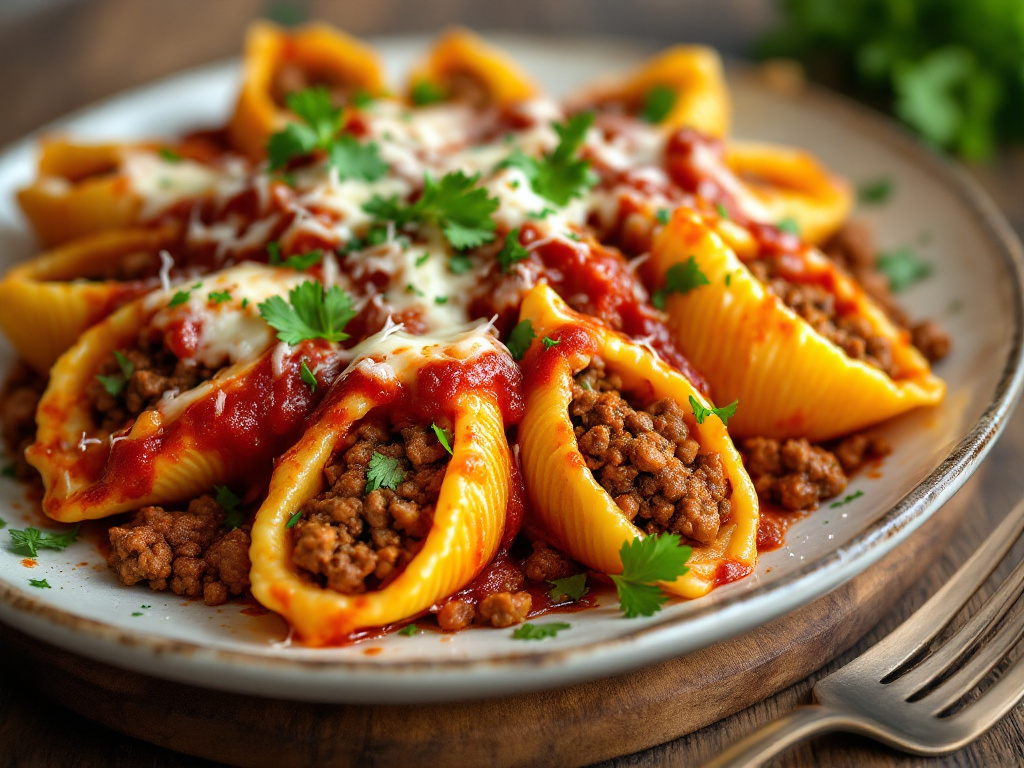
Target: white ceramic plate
x,y
975,292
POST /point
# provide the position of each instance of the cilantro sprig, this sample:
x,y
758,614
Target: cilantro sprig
x,y
539,631
658,102
456,204
30,540
310,313
700,412
520,338
645,562
115,383
229,501
570,588
319,129
680,278
559,175
383,472
511,252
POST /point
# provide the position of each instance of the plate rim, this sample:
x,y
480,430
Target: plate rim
x,y
132,648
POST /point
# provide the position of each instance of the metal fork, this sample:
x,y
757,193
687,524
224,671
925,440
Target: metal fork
x,y
901,691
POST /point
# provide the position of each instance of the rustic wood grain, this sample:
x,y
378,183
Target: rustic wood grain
x,y
73,54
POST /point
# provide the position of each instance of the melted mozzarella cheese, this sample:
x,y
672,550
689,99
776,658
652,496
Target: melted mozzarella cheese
x,y
162,183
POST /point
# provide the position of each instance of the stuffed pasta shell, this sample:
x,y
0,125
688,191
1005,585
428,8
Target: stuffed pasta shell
x,y
801,346
681,87
278,63
396,496
128,416
462,67
611,451
87,188
47,302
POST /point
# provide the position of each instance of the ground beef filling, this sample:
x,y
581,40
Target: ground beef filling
x,y
155,371
191,553
19,400
644,457
353,541
816,305
797,475
853,248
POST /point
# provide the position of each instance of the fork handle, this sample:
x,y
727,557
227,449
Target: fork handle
x,y
801,723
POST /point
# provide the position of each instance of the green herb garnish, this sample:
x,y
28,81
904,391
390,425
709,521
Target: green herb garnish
x,y
903,268
560,175
310,313
383,472
700,412
511,252
680,278
30,540
658,103
443,438
646,561
228,501
539,631
520,338
570,588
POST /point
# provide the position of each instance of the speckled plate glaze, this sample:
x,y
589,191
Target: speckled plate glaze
x,y
975,291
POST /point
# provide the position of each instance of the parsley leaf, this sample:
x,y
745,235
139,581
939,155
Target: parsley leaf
x,y
309,313
700,412
40,583
903,268
658,102
442,438
228,501
307,375
298,262
219,297
457,264
313,106
295,140
355,160
680,278
646,561
790,225
560,175
520,338
180,297
409,630
115,383
549,342
846,499
425,92
511,252
539,631
455,204
30,540
876,191
570,588
169,155
383,472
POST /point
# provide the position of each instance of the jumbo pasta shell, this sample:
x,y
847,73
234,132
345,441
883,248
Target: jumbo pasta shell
x,y
318,53
464,67
46,303
692,73
225,429
469,518
790,381
570,504
791,184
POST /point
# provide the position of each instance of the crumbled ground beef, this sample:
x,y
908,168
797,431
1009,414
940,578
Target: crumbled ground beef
x,y
547,564
817,305
190,552
18,402
797,475
646,460
853,248
794,473
156,370
354,541
500,609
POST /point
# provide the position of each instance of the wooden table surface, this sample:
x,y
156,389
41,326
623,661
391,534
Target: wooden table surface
x,y
69,54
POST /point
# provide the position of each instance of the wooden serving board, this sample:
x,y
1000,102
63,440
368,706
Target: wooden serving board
x,y
569,727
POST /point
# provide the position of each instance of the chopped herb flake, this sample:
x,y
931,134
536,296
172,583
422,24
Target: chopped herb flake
x,y
40,583
663,216
570,588
293,519
875,192
903,268
308,377
549,342
520,338
443,438
409,630
658,103
219,297
425,92
169,155
680,278
846,499
539,631
511,252
700,412
228,501
790,225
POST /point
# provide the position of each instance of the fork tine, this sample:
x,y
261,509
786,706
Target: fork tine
x,y
989,708
911,637
966,638
972,673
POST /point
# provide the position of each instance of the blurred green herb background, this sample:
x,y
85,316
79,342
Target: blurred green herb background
x,y
952,70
